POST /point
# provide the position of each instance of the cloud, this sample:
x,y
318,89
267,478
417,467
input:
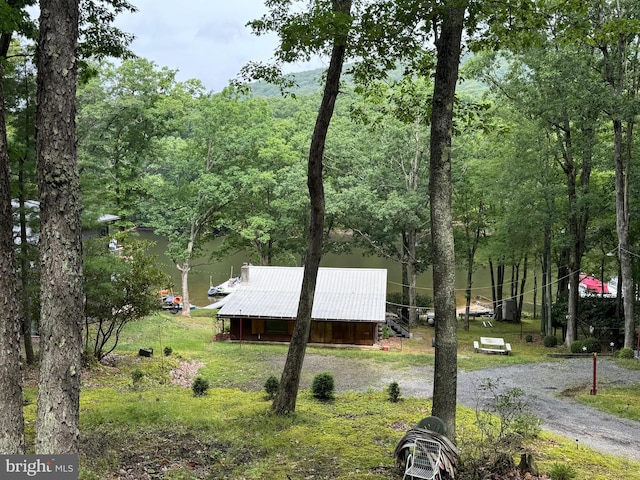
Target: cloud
x,y
202,39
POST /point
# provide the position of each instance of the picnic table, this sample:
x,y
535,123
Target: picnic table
x,y
492,345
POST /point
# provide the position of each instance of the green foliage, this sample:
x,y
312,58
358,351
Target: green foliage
x,y
625,352
271,386
395,298
200,386
505,422
323,386
119,289
136,377
593,345
529,338
577,346
550,341
588,345
386,332
394,391
562,471
596,316
168,351
362,426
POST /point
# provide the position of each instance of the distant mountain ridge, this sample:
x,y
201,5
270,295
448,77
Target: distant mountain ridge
x,y
309,82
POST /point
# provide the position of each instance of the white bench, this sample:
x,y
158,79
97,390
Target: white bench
x,y
492,345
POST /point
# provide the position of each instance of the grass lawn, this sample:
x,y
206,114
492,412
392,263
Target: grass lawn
x,y
137,424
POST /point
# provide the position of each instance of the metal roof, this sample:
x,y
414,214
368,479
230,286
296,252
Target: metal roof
x,y
351,294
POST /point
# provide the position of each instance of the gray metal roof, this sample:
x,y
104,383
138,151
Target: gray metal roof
x,y
352,294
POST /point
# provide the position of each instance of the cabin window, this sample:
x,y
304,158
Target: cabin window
x,y
276,326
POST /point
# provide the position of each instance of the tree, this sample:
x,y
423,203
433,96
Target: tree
x,y
195,181
12,421
469,209
615,36
20,100
62,293
448,45
122,112
294,42
120,288
392,174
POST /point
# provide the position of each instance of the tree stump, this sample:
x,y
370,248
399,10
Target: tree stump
x,y
528,464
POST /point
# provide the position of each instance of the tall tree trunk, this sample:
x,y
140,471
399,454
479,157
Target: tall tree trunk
x,y
11,420
62,296
409,269
25,297
622,169
440,191
286,396
523,283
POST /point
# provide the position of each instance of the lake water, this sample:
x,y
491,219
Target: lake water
x,y
217,271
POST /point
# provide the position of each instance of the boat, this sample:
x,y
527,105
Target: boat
x,y
226,287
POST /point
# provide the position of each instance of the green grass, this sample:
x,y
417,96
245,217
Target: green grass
x,y
154,428
618,401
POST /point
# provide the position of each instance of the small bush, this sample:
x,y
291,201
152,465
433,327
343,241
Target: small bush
x,y
562,471
592,344
529,338
168,351
386,332
577,347
200,386
322,386
550,341
271,386
625,352
394,391
136,376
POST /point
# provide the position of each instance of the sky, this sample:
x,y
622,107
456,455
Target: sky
x,y
202,39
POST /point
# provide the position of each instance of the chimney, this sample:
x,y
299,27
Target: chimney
x,y
244,274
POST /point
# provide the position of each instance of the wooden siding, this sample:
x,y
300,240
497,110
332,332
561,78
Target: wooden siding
x,y
279,330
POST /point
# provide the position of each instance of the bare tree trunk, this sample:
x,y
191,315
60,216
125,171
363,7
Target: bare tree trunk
x,y
622,227
440,191
184,272
409,276
11,420
25,297
62,295
286,397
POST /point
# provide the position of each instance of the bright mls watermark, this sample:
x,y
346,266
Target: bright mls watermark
x,y
50,467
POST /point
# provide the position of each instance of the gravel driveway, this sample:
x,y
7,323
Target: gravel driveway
x,y
541,382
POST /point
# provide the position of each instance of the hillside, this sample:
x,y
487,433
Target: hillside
x,y
309,82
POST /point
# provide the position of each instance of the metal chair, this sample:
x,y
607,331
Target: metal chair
x,y
424,460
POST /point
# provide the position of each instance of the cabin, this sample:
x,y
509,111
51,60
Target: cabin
x,y
348,308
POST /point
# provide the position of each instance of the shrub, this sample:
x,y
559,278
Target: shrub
x,y
136,376
576,347
529,338
394,391
625,352
386,332
200,386
592,344
550,341
168,351
271,386
562,471
322,386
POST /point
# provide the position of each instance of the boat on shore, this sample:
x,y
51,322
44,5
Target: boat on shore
x,y
225,288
